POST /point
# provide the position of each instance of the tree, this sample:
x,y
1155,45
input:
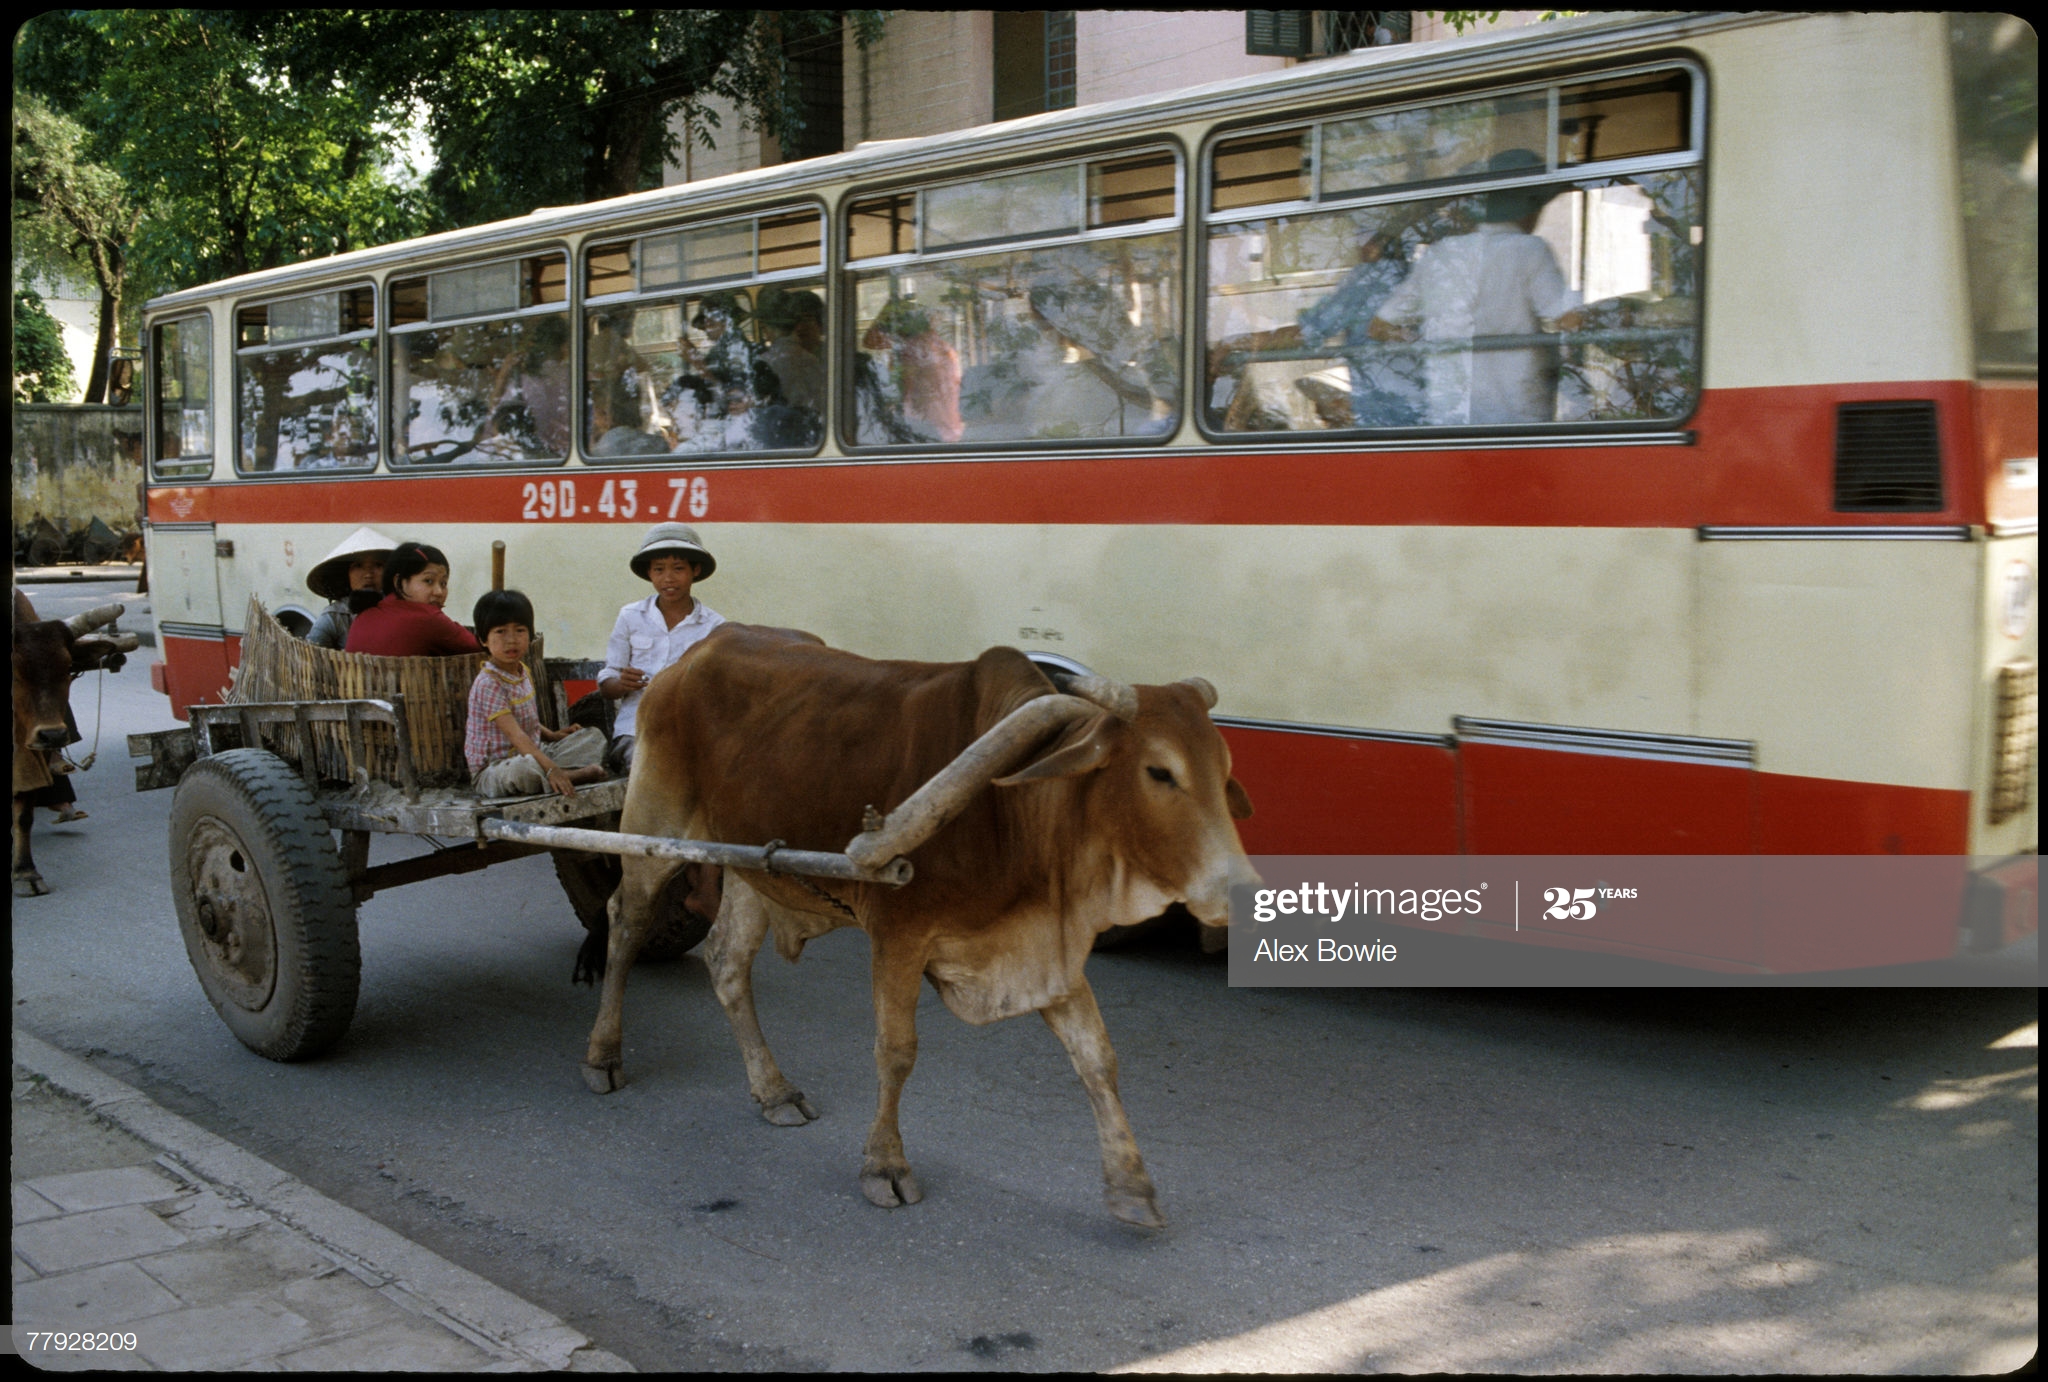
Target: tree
x,y
42,367
236,169
72,213
532,108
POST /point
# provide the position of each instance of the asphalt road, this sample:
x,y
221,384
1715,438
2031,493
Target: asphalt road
x,y
1684,1180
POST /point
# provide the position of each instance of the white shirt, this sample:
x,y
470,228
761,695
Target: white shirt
x,y
642,638
1496,281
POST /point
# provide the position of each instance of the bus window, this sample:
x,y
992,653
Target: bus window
x,y
672,366
1478,287
1996,58
480,363
1075,336
181,354
306,382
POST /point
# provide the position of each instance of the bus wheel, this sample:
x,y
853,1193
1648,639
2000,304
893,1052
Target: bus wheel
x,y
266,909
591,879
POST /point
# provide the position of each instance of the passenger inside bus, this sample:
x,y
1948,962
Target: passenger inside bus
x,y
926,370
793,382
1501,281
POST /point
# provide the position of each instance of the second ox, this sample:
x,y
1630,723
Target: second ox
x,y
47,652
1057,817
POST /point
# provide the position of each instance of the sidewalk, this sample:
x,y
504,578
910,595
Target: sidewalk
x,y
182,1252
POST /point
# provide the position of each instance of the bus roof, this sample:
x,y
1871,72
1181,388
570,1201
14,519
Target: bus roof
x,y
1402,66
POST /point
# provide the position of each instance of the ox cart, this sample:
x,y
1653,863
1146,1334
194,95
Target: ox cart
x,y
276,801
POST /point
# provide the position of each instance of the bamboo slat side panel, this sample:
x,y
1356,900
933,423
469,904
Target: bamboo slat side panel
x,y
278,667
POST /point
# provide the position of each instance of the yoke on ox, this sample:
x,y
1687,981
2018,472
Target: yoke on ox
x,y
1043,819
46,654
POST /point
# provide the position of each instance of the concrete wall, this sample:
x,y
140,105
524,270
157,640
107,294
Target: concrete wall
x,y
1121,53
932,71
76,462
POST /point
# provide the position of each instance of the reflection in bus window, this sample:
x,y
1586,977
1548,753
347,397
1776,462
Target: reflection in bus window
x,y
1448,312
1062,341
1493,292
1065,341
740,366
480,357
1998,142
182,354
730,370
307,403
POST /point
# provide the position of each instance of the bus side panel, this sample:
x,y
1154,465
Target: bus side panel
x,y
1321,794
1542,801
1869,916
1812,815
2009,438
196,669
1767,455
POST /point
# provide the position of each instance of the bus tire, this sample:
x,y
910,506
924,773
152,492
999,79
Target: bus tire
x,y
264,904
589,880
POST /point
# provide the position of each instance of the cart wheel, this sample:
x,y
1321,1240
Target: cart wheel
x,y
591,879
267,912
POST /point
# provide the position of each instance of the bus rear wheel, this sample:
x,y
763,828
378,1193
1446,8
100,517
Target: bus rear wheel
x,y
264,904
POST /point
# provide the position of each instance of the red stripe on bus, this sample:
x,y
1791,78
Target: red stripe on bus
x,y
1762,456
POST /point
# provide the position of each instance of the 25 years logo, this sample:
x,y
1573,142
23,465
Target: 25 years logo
x,y
1569,904
1577,904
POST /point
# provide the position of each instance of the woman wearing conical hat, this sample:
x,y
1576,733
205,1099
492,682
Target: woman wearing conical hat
x,y
350,577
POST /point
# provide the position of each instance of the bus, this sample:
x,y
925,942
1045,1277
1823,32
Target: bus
x,y
1615,436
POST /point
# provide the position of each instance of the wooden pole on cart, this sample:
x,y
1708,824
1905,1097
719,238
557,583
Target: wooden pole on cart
x,y
497,563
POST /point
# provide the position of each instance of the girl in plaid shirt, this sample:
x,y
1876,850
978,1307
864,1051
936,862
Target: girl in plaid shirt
x,y
504,736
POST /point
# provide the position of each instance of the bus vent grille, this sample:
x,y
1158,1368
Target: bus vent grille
x,y
1887,458
2012,764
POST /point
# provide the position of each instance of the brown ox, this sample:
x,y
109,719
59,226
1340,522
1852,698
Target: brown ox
x,y
1113,808
46,653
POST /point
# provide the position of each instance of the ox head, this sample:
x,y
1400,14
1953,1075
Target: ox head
x,y
46,653
1157,789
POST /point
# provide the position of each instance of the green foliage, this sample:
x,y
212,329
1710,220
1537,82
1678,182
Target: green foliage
x,y
42,367
235,168
530,108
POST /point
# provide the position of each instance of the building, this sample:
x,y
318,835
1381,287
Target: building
x,y
939,70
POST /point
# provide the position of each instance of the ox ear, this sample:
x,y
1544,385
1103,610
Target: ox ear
x,y
1240,803
1071,756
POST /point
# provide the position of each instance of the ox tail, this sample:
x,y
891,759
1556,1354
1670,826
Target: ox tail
x,y
591,955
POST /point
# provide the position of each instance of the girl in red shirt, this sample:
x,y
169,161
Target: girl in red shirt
x,y
408,621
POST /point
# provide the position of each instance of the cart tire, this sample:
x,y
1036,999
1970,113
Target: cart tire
x,y
264,904
591,879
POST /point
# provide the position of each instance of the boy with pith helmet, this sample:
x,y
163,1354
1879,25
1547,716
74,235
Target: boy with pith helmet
x,y
652,633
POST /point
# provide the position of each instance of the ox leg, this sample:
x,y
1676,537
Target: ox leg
x,y
1127,1189
885,1176
630,916
28,881
729,950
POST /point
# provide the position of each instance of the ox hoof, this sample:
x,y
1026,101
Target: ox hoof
x,y
1140,1210
30,885
603,1079
790,1111
890,1188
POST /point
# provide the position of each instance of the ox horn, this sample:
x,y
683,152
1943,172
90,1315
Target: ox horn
x,y
82,624
1201,687
931,806
1113,696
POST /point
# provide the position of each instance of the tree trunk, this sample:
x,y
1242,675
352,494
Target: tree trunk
x,y
103,347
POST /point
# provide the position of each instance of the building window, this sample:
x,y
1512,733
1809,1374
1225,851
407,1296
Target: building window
x,y
1321,33
817,70
1034,62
